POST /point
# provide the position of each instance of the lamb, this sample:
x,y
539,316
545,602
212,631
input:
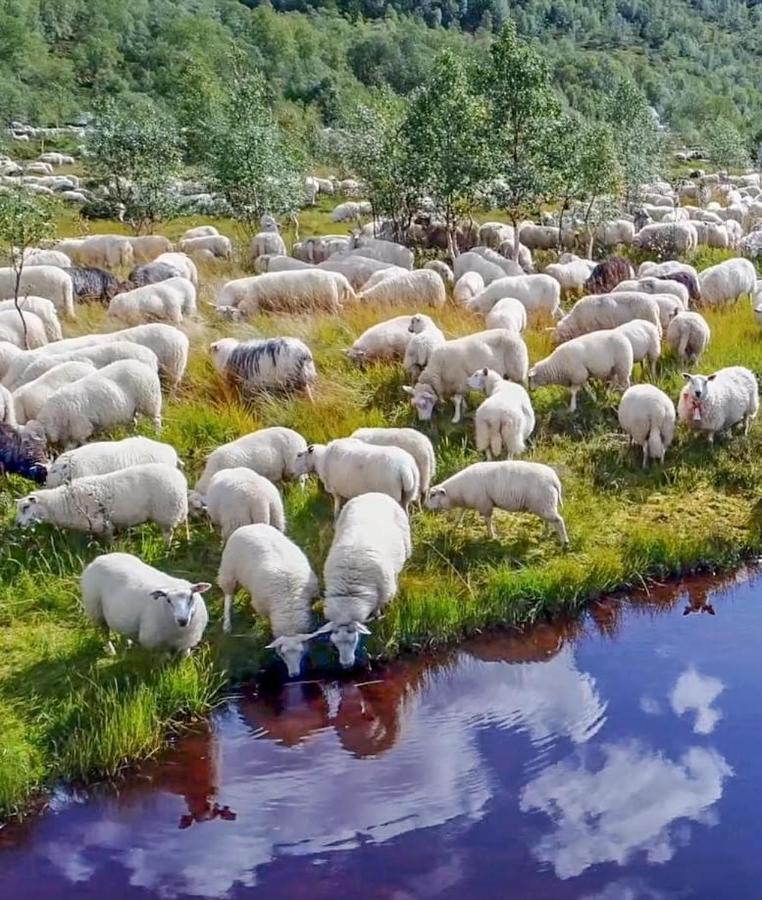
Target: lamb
x,y
607,275
715,403
571,275
727,281
384,251
515,486
23,451
199,231
507,313
29,399
415,443
422,287
426,338
443,270
43,309
652,285
182,263
601,311
102,504
7,407
447,373
218,245
121,593
467,287
538,293
505,420
148,247
688,335
282,363
647,415
348,467
302,291
103,457
36,256
645,340
93,284
371,544
238,497
113,395
268,243
167,301
606,355
271,452
25,331
474,262
383,342
49,282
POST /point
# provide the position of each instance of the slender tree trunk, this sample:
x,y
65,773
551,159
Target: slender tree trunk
x,y
564,208
588,229
16,302
516,240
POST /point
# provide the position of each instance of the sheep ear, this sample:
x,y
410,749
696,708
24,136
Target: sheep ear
x,y
201,587
711,377
273,645
407,389
361,629
687,376
158,595
484,371
324,629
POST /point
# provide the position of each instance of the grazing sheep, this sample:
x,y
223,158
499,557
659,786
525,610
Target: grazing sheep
x,y
282,363
415,443
113,395
474,262
538,293
182,263
607,275
354,268
280,583
7,407
238,497
121,593
35,256
468,286
347,212
23,452
645,340
422,287
426,338
102,251
153,273
647,415
297,292
102,457
675,271
652,285
279,264
727,282
507,313
510,485
384,251
26,331
618,231
40,308
715,403
8,353
450,365
601,311
318,249
386,341
218,245
93,284
371,544
102,504
348,467
49,282
509,267
605,355
505,420
167,301
688,335
443,270
571,275
667,237
29,399
148,247
267,243
270,452
199,231
493,234
544,237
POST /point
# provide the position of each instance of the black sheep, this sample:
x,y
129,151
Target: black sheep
x,y
23,451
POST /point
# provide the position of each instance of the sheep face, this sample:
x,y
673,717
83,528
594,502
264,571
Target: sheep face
x,y
477,380
345,638
417,324
220,351
535,378
438,499
59,473
196,503
304,464
290,648
423,399
182,601
698,386
29,512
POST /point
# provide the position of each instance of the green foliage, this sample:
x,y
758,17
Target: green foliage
x,y
726,147
25,220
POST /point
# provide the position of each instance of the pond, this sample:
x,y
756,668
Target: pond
x,y
614,758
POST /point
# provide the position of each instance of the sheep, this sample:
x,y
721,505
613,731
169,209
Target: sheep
x,y
468,286
507,313
645,340
688,335
270,452
617,231
515,486
103,457
371,544
525,256
23,451
287,292
239,497
25,330
493,234
347,212
505,420
218,245
29,399
450,365
668,269
647,415
102,504
153,273
538,293
93,284
571,275
146,248
384,251
280,583
415,443
443,270
7,407
182,263
8,353
652,285
727,281
669,306
267,242
713,235
319,249
348,467
421,287
606,355
36,256
473,262
508,266
167,301
386,341
355,269
199,231
601,311
49,282
607,275
113,395
43,309
543,237
715,403
282,363
426,338
279,264
121,593
103,251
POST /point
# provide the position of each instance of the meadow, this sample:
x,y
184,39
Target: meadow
x,y
69,712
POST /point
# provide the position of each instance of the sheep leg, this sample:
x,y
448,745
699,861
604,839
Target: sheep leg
x,y
108,647
460,518
559,526
168,532
187,530
490,524
573,401
645,455
336,505
308,392
227,620
157,424
458,402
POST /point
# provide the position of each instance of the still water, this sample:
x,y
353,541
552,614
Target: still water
x,y
617,758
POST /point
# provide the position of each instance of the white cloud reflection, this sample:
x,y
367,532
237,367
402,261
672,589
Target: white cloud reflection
x,y
694,692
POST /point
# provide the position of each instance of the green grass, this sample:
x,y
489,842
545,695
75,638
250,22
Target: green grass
x,y
69,712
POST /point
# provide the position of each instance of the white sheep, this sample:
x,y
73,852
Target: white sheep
x,y
113,395
515,486
279,264
26,331
508,266
102,457
280,583
102,251
218,245
148,247
300,291
688,335
538,293
348,467
45,311
600,311
319,249
422,287
386,341
49,282
727,281
651,285
167,301
647,415
121,593
493,234
605,355
505,420
670,267
31,397
371,544
571,275
271,452
507,313
8,353
199,231
427,336
102,504
37,256
715,403
667,237
645,340
450,365
474,262
355,269
182,263
238,497
7,407
443,270
416,444
468,286
281,364
385,251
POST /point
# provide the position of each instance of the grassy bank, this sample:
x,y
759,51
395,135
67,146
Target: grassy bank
x,y
66,711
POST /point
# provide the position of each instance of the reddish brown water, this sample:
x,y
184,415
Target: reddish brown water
x,y
613,759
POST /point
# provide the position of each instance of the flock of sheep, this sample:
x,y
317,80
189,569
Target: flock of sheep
x,y
58,393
